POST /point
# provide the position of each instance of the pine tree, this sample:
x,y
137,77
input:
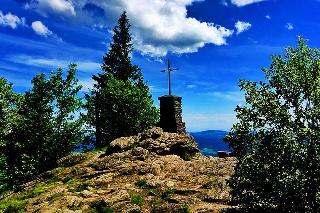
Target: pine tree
x,y
120,104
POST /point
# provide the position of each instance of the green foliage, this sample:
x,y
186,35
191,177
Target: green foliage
x,y
118,59
141,184
185,209
13,206
81,187
43,127
167,193
277,136
120,103
137,199
9,107
100,206
17,202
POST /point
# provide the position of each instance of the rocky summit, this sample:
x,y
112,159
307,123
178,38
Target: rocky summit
x,y
157,142
154,171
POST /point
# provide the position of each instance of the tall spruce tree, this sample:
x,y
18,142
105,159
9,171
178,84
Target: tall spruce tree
x,y
120,103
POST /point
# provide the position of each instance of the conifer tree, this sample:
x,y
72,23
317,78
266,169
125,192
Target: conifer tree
x,y
120,104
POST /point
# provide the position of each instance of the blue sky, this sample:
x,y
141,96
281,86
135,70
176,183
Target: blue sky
x,y
213,42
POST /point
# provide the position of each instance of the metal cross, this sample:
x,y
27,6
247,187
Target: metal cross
x,y
169,70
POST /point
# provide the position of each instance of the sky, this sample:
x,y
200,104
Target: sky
x,y
214,43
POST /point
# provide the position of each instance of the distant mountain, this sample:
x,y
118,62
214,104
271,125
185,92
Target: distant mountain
x,y
211,141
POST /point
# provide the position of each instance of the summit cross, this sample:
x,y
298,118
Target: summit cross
x,y
169,70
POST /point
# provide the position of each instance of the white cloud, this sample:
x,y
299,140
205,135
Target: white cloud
x,y
158,26
242,26
64,7
268,17
162,26
11,20
40,29
289,26
51,63
241,3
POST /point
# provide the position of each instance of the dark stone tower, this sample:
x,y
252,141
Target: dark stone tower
x,y
171,114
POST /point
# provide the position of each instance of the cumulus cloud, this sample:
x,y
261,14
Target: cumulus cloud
x,y
242,26
289,26
241,3
268,17
158,26
161,26
41,29
11,20
65,7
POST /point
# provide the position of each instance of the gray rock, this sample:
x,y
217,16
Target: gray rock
x,y
156,141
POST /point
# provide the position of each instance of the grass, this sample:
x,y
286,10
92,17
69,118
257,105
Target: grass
x,y
137,199
99,206
97,150
167,194
81,187
74,185
142,184
185,209
17,202
14,205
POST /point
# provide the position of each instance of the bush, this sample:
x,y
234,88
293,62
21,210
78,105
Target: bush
x,y
100,206
277,136
141,184
42,127
137,199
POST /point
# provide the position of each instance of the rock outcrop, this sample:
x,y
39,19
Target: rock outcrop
x,y
157,141
144,173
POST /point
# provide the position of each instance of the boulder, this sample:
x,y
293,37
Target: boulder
x,y
157,141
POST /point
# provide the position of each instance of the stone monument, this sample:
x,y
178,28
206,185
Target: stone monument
x,y
171,109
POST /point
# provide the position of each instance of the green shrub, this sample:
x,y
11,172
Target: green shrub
x,y
167,194
17,202
141,184
13,206
277,136
185,209
100,206
137,199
